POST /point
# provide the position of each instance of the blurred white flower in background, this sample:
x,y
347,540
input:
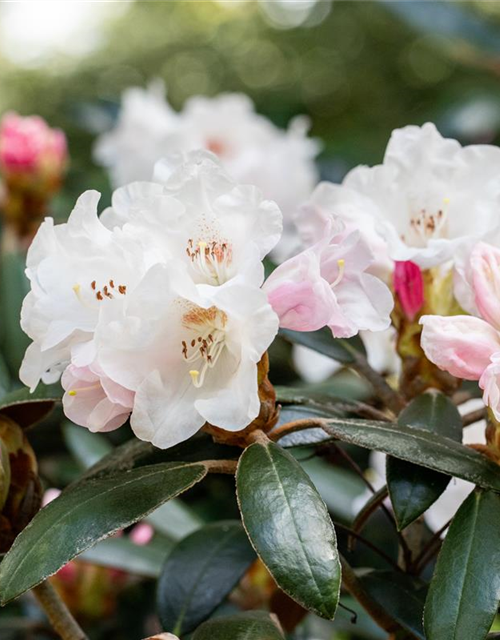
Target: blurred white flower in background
x,y
380,348
456,492
252,149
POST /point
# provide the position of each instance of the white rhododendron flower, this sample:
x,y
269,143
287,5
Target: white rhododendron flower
x,y
189,353
331,202
75,270
194,212
428,197
251,149
155,310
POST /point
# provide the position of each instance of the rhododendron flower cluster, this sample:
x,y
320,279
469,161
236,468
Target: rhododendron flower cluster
x,y
252,150
155,309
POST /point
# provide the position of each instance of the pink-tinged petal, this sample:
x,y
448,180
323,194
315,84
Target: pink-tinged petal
x,y
301,298
88,403
485,267
409,287
490,384
461,345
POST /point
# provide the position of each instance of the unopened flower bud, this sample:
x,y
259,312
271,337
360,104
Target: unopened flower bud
x,y
24,495
409,287
33,159
30,151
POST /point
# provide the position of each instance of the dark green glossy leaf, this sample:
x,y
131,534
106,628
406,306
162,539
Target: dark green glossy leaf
x,y
87,447
465,589
136,453
341,349
200,572
251,625
401,596
413,489
418,446
289,526
27,408
85,513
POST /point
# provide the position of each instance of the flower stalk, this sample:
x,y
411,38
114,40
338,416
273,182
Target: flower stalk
x,y
59,615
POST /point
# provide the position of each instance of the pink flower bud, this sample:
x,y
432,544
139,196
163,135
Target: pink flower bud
x,y
409,287
30,149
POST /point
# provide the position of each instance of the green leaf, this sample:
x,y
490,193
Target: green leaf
x,y
87,447
289,526
413,489
401,596
136,453
121,553
175,520
421,447
27,408
85,513
465,589
200,572
251,625
341,349
13,287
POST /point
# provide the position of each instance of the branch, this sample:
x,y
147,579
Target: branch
x,y
221,466
58,613
475,416
391,398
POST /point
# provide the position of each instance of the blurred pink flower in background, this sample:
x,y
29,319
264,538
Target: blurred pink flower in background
x,y
30,148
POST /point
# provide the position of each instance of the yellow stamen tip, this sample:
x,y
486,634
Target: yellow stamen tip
x,y
202,245
72,392
194,374
341,263
76,288
446,200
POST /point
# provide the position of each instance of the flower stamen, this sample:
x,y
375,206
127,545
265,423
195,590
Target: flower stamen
x,y
341,265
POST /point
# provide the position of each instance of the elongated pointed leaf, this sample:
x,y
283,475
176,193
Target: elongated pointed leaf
x,y
27,408
418,446
401,596
413,489
341,349
251,625
136,453
289,526
200,572
465,589
84,514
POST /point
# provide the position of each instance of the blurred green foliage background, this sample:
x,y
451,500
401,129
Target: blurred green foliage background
x,y
358,69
